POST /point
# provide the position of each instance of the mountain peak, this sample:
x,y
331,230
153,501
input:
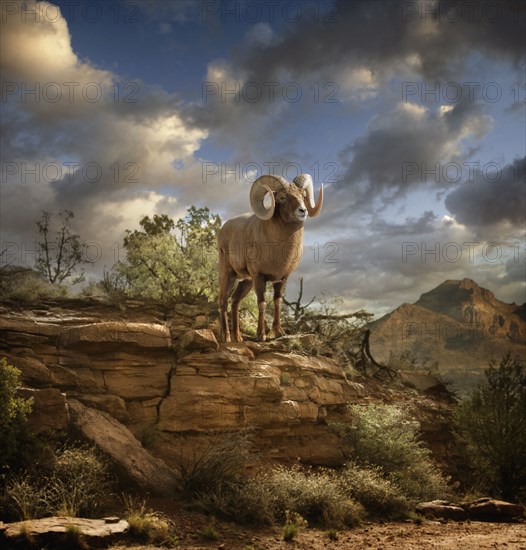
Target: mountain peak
x,y
458,323
453,292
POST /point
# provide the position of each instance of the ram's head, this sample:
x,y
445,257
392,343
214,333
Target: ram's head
x,y
292,202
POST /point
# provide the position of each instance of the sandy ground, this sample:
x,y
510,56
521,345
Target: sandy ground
x,y
389,536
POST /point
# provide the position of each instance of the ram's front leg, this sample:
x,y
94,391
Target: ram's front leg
x,y
243,288
279,288
260,287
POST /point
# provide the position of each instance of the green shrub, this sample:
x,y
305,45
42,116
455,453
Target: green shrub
x,y
266,498
15,434
380,497
29,286
315,495
383,436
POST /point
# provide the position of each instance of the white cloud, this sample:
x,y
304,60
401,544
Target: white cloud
x,y
123,151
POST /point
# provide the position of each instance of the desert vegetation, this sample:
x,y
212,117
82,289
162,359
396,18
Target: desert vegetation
x,y
491,430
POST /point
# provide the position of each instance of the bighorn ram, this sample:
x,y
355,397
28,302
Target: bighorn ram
x,y
262,247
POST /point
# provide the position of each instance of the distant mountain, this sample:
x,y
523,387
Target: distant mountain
x,y
458,324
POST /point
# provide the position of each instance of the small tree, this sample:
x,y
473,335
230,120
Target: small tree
x,y
59,257
491,423
163,265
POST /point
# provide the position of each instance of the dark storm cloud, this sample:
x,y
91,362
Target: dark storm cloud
x,y
412,226
379,33
492,197
410,147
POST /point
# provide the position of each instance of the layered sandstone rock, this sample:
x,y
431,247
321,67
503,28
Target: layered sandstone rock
x,y
171,385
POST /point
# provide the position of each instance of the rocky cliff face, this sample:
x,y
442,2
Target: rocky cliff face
x,y
170,384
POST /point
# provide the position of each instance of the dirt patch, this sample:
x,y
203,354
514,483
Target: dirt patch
x,y
379,536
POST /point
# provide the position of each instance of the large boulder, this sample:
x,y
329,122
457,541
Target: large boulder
x,y
489,509
135,464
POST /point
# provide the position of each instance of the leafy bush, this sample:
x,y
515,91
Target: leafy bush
x,y
268,497
383,436
380,497
15,434
315,495
491,425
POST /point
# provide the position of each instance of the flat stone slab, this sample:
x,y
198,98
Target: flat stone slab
x,y
441,509
95,532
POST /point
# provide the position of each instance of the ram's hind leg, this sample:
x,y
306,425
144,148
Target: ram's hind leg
x,y
242,289
226,284
260,286
279,288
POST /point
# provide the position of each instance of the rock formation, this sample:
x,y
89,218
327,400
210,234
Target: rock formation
x,y
170,385
152,392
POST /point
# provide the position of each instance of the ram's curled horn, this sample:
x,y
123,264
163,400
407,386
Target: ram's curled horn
x,y
262,186
304,181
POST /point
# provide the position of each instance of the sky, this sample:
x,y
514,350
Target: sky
x,y
411,113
